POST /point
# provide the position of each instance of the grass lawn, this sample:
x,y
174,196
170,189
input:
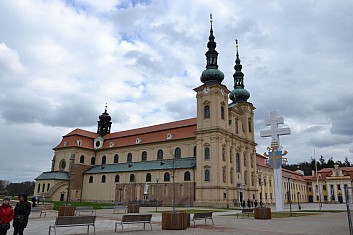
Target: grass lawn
x,y
95,205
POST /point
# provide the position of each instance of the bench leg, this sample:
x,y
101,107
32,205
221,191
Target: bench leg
x,y
151,225
144,226
212,221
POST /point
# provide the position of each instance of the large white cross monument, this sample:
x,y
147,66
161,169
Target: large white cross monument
x,y
275,153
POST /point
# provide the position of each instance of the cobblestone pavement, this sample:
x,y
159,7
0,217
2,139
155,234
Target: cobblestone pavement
x,y
323,224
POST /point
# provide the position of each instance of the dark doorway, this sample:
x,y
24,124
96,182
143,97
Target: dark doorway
x,y
241,197
340,198
62,197
311,199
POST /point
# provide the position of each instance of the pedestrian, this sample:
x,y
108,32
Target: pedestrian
x,y
243,204
22,211
34,201
6,215
252,203
248,203
261,204
255,203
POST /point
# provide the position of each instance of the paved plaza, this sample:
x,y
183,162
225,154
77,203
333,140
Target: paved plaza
x,y
323,223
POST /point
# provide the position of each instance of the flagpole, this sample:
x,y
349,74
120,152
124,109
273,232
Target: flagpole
x,y
317,182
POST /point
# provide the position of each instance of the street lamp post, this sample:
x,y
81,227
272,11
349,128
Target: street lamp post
x,y
289,196
157,179
298,201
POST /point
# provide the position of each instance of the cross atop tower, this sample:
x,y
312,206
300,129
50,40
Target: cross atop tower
x,y
275,132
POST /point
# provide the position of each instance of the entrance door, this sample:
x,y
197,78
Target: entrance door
x,y
62,197
340,198
311,199
241,196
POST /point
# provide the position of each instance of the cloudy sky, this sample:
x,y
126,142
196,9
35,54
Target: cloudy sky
x,y
62,61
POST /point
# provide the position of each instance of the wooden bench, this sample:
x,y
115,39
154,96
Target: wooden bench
x,y
39,210
134,219
202,216
120,207
71,221
246,211
80,209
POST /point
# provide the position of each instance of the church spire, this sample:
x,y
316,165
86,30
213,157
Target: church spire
x,y
239,94
104,123
211,74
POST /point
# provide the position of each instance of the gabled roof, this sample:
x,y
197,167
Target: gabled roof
x,y
53,175
167,164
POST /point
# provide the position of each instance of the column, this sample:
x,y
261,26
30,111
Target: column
x,y
314,192
268,189
335,191
273,189
328,187
321,193
343,193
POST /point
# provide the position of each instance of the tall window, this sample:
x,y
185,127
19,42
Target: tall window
x,y
207,153
166,176
252,179
237,159
93,161
245,177
103,178
230,156
132,178
194,151
104,160
207,175
117,178
224,175
148,177
187,176
177,152
116,158
129,157
206,111
144,156
244,159
222,112
252,160
223,153
48,187
82,159
249,124
90,179
231,175
38,188
43,188
160,154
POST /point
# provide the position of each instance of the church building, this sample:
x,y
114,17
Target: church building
x,y
211,158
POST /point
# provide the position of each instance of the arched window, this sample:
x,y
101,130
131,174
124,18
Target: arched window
x,y
129,157
103,178
93,161
144,156
206,111
194,151
166,176
177,152
43,188
90,179
82,159
132,178
237,162
38,188
187,176
148,177
104,160
116,158
207,153
117,178
207,175
48,187
222,112
160,154
249,124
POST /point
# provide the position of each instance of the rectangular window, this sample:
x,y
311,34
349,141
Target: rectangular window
x,y
338,187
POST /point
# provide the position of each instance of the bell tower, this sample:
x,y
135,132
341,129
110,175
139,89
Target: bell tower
x,y
212,122
104,123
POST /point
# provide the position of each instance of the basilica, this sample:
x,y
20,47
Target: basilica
x,y
209,160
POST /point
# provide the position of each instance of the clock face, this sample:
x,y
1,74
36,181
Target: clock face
x,y
206,90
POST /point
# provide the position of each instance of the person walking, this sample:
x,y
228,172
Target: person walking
x,y
22,211
6,215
